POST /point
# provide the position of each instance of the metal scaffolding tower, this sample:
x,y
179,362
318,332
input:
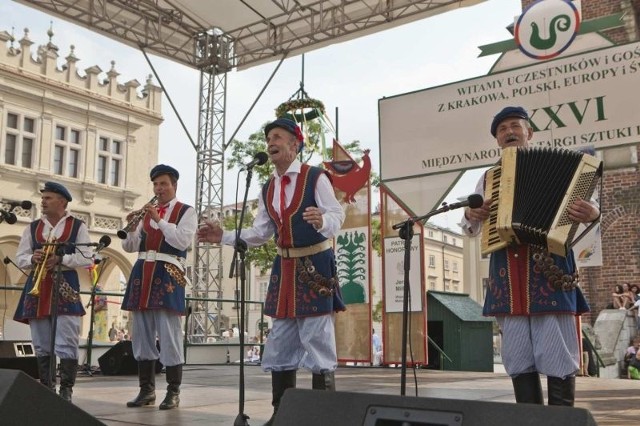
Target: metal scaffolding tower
x,y
214,59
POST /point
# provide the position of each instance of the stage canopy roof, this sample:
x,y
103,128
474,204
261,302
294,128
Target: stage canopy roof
x,y
258,31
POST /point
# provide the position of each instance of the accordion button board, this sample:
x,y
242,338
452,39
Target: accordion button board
x,y
531,190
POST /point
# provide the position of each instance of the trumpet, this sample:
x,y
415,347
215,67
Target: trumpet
x,y
136,217
40,271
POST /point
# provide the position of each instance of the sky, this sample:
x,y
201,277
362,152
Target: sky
x,y
351,76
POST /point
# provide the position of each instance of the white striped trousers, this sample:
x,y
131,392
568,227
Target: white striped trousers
x,y
545,343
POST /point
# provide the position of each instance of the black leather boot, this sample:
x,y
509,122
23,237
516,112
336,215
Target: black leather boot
x,y
147,379
174,379
323,381
68,371
46,378
561,392
280,382
528,389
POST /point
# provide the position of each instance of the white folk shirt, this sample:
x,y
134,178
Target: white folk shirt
x,y
82,256
263,229
178,235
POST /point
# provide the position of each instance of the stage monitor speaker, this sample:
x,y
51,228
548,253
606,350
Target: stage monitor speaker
x,y
23,401
19,355
321,408
119,360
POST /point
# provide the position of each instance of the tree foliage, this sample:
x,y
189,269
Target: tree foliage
x,y
261,257
376,236
376,312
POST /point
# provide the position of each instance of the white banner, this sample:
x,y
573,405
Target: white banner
x,y
394,274
585,99
588,251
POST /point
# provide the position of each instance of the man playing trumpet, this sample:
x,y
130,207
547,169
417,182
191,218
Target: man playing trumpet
x,y
34,308
156,289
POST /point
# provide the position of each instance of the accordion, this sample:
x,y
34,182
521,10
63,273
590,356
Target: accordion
x,y
531,189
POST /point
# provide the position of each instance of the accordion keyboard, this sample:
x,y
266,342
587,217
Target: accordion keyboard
x,y
490,238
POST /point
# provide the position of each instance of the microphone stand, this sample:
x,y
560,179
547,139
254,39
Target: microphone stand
x,y
240,249
405,232
57,279
8,260
87,366
59,251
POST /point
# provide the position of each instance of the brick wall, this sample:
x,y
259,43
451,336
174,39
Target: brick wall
x,y
620,239
621,189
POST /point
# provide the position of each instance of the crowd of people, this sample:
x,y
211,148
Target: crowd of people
x,y
624,296
118,334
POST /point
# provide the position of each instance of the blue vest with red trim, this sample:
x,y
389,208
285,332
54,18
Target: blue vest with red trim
x,y
150,284
295,282
518,287
69,303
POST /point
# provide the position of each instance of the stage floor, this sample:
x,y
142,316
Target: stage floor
x,y
210,395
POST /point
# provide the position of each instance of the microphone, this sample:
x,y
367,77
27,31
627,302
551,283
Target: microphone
x,y
104,242
473,201
258,160
7,260
24,205
7,216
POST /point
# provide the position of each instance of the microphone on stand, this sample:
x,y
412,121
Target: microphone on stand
x,y
8,217
473,201
258,160
8,260
104,242
11,218
24,205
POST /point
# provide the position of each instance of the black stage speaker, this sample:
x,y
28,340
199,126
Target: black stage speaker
x,y
23,401
321,408
19,355
119,360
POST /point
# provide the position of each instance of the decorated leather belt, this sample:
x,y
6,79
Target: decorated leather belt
x,y
174,265
304,251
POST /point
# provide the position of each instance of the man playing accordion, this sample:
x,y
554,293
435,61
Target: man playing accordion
x,y
536,316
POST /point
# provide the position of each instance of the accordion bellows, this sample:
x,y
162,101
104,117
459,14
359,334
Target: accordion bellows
x,y
531,189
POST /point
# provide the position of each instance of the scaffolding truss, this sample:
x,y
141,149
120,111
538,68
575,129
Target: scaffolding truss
x,y
261,30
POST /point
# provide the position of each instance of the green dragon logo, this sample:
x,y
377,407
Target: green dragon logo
x,y
560,23
547,28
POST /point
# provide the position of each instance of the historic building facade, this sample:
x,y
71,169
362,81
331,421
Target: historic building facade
x,y
85,130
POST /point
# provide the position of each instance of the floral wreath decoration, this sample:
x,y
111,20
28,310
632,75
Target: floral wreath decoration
x,y
287,109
